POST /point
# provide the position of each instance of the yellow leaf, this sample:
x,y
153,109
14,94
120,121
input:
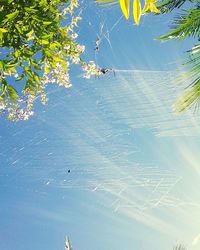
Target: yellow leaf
x,y
153,8
125,6
150,6
44,42
137,11
3,30
146,8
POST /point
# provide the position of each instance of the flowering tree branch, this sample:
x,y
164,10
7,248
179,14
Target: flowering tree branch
x,y
38,46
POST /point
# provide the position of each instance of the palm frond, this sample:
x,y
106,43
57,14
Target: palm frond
x,y
191,96
184,26
169,5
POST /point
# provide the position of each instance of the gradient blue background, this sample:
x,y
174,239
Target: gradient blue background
x,y
134,164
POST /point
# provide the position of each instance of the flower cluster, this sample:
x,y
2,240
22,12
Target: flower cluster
x,y
2,105
20,109
55,68
75,56
59,75
43,96
91,69
70,9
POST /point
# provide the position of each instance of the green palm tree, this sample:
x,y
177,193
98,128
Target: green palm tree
x,y
185,25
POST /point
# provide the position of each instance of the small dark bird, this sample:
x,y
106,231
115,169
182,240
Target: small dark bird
x,y
68,171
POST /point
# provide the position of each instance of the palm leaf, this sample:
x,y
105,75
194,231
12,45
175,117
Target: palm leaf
x,y
191,95
184,26
187,24
170,5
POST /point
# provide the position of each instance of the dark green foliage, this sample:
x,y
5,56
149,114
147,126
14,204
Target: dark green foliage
x,y
170,5
26,28
33,42
185,25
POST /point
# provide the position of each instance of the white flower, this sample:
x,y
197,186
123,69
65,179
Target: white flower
x,y
67,47
75,59
2,104
80,48
59,75
74,35
91,69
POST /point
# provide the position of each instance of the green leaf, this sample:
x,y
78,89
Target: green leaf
x,y
47,36
29,87
57,58
44,42
16,53
35,64
46,22
2,30
11,65
46,69
18,28
1,64
30,9
3,85
12,15
30,33
1,38
36,77
20,78
53,45
43,3
47,53
28,71
189,97
12,92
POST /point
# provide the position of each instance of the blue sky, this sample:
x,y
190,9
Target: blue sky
x,y
134,164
